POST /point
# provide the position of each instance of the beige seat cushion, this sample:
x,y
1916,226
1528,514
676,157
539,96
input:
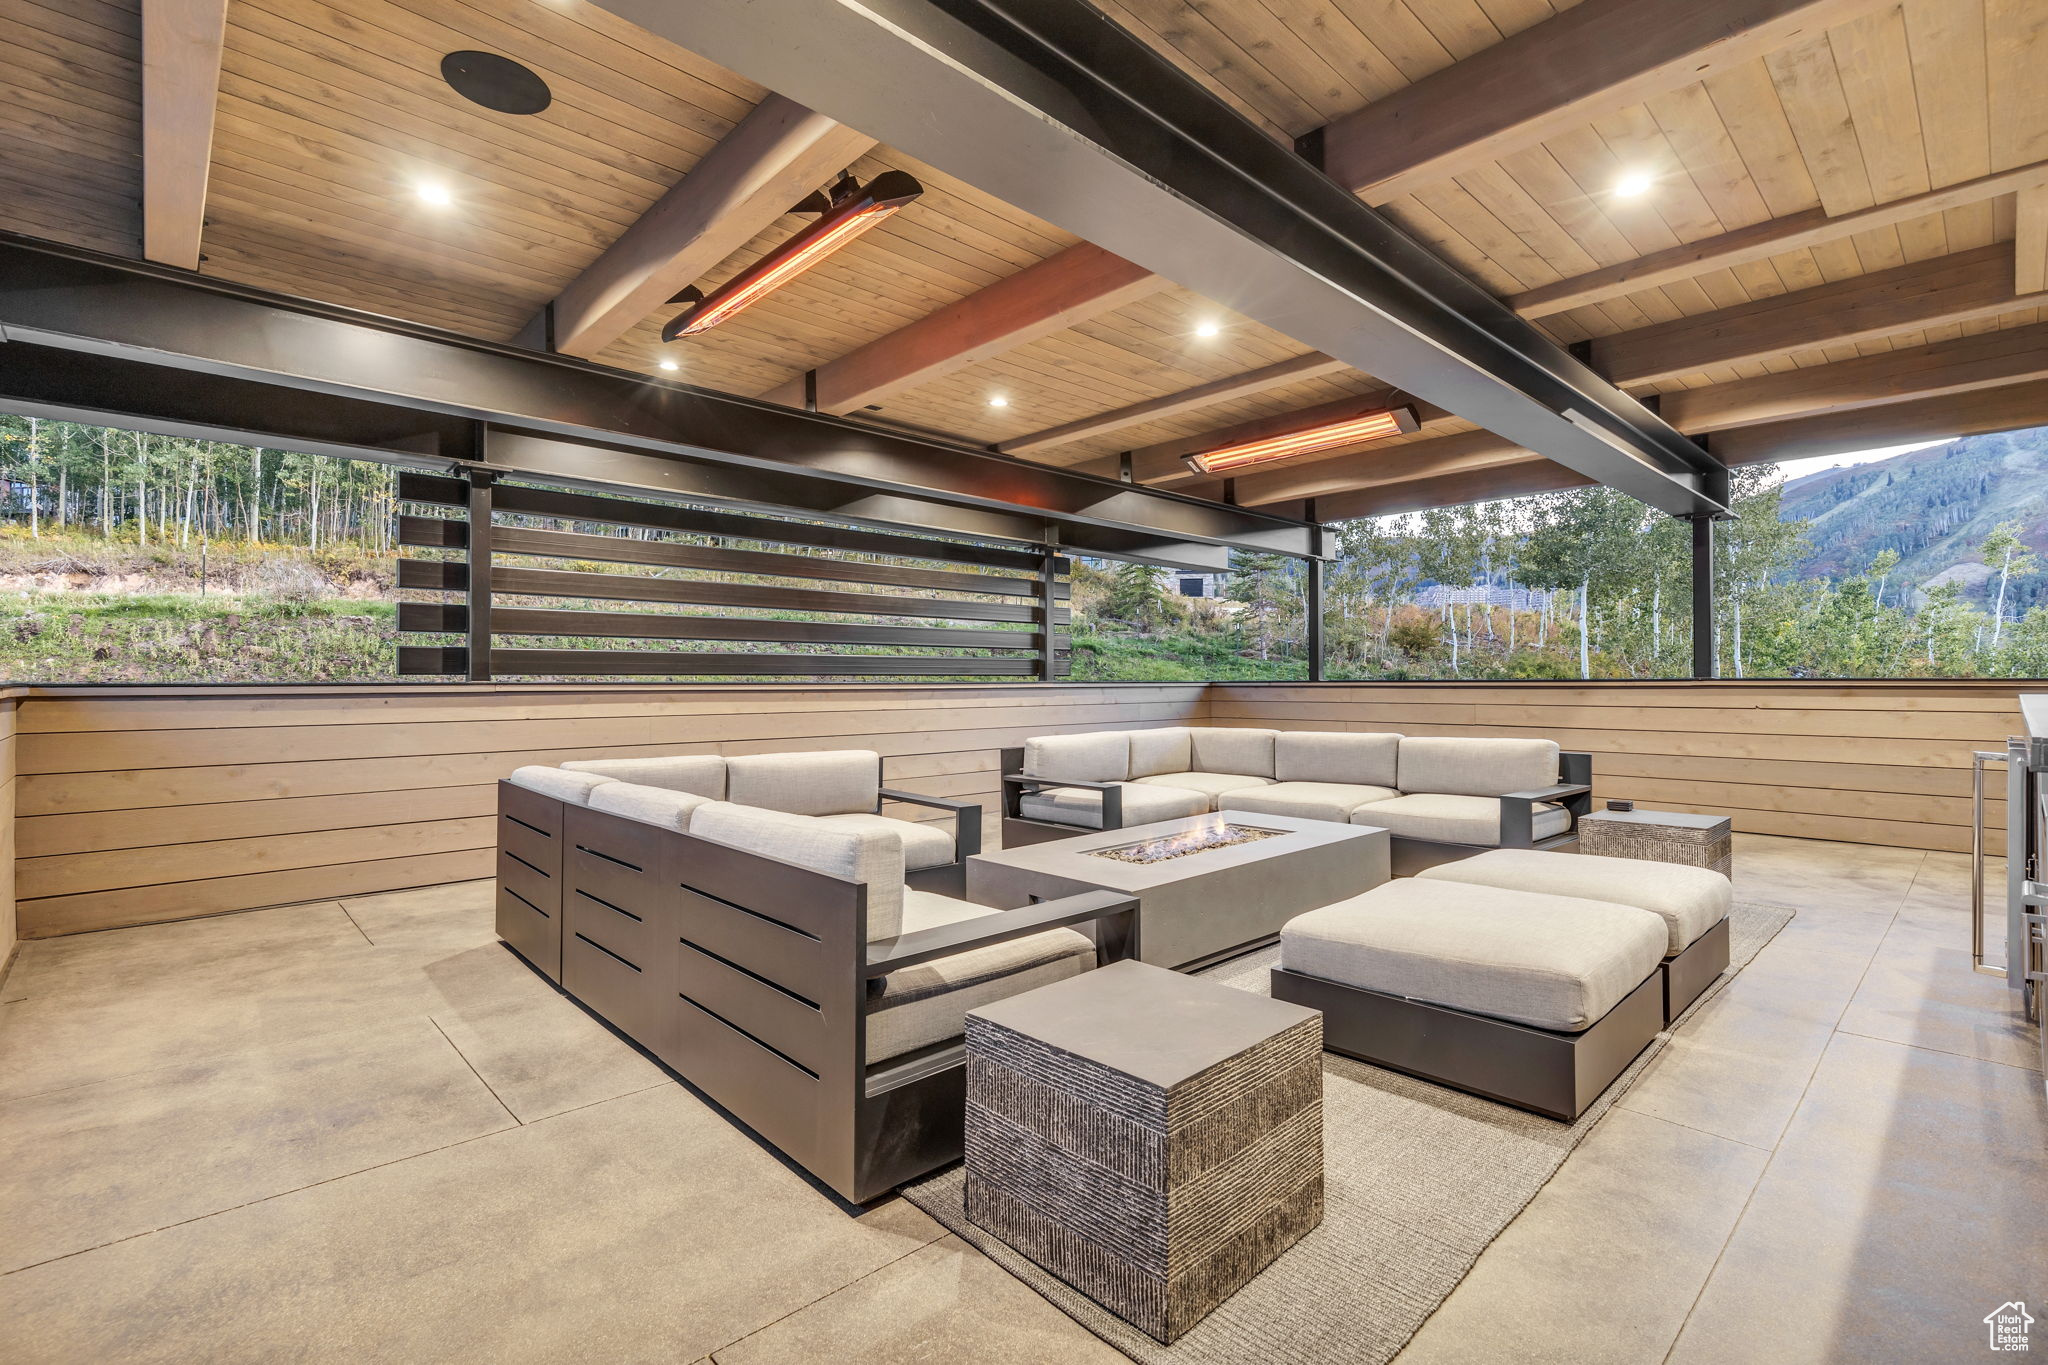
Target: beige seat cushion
x,y
925,844
1248,753
1101,757
1690,900
1352,760
1455,819
1476,767
698,774
926,1004
653,805
1082,806
1160,751
1552,962
559,783
873,857
821,782
1333,801
1210,785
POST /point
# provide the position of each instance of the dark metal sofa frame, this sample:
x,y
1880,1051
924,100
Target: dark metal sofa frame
x,y
1410,856
947,879
750,978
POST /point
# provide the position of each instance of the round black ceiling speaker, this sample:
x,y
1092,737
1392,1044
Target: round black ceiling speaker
x,y
496,82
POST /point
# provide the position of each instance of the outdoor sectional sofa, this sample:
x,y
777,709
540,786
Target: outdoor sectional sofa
x,y
1440,798
776,961
841,786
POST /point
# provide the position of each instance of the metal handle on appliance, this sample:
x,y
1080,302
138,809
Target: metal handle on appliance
x,y
1977,761
2036,937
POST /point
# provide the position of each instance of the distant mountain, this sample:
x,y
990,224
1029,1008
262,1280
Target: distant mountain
x,y
1934,507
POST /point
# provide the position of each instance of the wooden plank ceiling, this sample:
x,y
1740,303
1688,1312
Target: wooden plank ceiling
x,y
1822,182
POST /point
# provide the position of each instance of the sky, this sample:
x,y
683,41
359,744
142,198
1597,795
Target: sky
x,y
1798,468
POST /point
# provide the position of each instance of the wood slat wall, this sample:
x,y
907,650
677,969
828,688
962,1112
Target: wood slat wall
x,y
146,805
8,933
150,804
1870,763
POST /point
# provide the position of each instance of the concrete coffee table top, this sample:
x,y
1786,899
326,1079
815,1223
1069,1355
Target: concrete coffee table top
x,y
1068,858
1666,819
1153,1025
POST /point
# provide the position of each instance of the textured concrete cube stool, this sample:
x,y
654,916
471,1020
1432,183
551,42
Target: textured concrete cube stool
x,y
1660,836
1693,902
1152,1139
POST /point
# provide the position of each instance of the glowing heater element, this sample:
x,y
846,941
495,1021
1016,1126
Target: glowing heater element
x,y
846,219
1371,426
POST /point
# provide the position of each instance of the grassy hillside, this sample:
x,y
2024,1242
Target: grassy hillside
x,y
1934,507
76,608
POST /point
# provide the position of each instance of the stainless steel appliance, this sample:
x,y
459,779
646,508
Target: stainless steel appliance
x,y
2025,957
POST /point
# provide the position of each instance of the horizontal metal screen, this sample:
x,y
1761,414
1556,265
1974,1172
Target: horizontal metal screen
x,y
544,572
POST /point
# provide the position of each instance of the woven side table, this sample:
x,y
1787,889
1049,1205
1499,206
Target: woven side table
x,y
1660,836
1152,1139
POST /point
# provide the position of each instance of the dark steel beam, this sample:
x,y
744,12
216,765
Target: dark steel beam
x,y
585,464
1050,106
1706,659
1314,612
69,386
117,310
482,543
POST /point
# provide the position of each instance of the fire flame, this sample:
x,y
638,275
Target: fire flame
x,y
1214,834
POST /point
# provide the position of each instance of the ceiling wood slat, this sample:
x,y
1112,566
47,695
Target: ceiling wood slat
x,y
1761,241
1309,366
1968,284
1553,78
1048,297
181,58
1957,365
778,153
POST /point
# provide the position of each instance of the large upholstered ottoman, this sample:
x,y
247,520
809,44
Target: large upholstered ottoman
x,y
1537,1001
1693,902
1153,1139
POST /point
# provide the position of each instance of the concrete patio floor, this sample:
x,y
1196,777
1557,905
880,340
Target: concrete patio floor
x,y
362,1130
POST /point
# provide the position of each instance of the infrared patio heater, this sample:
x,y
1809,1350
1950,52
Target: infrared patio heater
x,y
846,212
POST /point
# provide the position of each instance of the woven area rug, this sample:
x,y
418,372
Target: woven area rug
x,y
1419,1179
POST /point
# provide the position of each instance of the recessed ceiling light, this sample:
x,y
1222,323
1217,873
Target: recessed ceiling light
x,y
1633,185
999,402
434,194
670,365
1208,329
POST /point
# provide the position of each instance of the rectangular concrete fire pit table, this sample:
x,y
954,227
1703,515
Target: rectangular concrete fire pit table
x,y
1203,905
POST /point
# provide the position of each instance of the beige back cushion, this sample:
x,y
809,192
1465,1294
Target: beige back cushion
x,y
698,774
653,805
558,783
873,857
824,782
1160,751
1368,760
1248,753
1476,767
1104,757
